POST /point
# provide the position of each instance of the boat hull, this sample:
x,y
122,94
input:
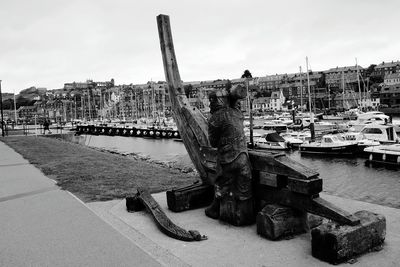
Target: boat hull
x,y
348,149
271,145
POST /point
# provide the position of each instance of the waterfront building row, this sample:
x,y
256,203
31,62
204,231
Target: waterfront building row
x,y
345,87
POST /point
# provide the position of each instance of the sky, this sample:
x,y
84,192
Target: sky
x,y
46,43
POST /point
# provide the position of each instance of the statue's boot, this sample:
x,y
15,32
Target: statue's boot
x,y
213,210
237,212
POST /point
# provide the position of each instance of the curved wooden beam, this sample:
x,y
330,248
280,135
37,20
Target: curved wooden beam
x,y
163,222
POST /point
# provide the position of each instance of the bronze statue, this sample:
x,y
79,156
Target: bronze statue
x,y
233,200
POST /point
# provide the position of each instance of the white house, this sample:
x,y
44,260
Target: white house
x,y
277,100
262,103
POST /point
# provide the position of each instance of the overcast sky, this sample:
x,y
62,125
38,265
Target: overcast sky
x,y
45,43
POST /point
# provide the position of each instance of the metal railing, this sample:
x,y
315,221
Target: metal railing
x,y
26,129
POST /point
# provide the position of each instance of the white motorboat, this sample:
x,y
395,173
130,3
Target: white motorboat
x,y
372,117
324,126
256,135
285,121
383,133
270,141
295,139
330,145
360,139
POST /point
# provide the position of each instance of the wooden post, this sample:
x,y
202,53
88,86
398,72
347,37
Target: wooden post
x,y
312,130
190,121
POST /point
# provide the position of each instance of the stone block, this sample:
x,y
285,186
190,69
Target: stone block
x,y
275,222
336,243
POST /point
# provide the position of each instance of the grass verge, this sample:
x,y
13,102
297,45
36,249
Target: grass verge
x,y
94,175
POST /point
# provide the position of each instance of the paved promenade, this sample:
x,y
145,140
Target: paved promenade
x,y
41,225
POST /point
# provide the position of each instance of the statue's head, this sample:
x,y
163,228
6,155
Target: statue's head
x,y
218,99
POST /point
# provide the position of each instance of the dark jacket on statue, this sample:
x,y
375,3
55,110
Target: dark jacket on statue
x,y
225,131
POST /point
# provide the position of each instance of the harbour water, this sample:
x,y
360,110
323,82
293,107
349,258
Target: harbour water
x,y
344,177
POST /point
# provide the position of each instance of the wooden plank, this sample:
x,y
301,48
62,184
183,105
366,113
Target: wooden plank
x,y
312,204
198,124
190,197
195,136
280,164
163,222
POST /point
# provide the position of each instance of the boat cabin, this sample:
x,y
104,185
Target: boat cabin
x,y
381,133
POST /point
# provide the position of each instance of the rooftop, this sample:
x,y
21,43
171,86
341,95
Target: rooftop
x,y
388,64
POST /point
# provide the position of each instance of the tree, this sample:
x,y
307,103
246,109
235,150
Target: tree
x,y
22,101
247,74
8,104
370,69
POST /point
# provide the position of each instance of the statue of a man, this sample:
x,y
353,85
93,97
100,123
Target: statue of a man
x,y
233,200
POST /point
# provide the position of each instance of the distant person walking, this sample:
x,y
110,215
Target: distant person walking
x,y
46,125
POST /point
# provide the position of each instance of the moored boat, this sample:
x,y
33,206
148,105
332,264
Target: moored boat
x,y
270,141
330,145
295,138
276,127
361,141
385,134
372,117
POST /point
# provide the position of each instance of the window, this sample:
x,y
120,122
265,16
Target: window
x,y
372,131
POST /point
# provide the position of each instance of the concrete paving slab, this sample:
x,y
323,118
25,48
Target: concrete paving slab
x,y
241,246
9,156
55,229
162,255
21,179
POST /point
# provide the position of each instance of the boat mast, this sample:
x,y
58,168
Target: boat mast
x,y
301,90
250,113
153,101
82,104
309,103
343,88
136,104
90,113
163,102
358,81
100,109
75,106
329,97
15,110
131,105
